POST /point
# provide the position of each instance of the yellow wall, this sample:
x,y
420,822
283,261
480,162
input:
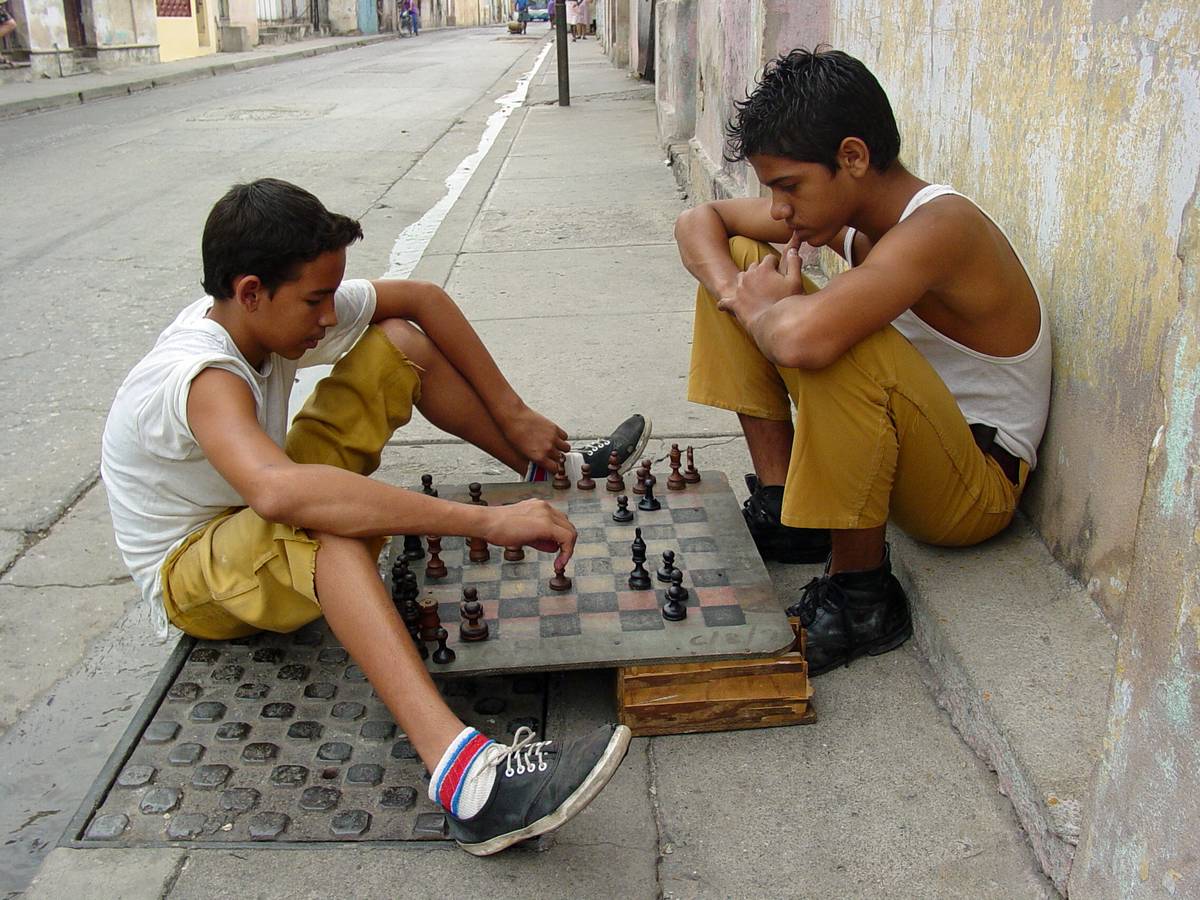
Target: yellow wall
x,y
178,38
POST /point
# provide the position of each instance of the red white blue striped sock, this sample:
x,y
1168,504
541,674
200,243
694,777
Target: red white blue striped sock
x,y
462,780
536,473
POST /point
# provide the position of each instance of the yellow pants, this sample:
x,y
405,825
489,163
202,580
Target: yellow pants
x,y
239,573
878,435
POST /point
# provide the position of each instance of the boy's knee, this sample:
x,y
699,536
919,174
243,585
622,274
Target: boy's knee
x,y
747,251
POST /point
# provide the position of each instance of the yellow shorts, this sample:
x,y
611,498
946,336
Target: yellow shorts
x,y
878,434
239,573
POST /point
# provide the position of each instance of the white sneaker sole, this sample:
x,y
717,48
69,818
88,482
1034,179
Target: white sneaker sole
x,y
609,762
574,460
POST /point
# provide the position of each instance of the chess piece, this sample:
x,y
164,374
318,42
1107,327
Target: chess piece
x,y
639,578
475,489
560,582
615,483
435,568
586,482
649,503
561,482
667,569
473,627
642,472
691,475
411,590
675,481
443,654
514,554
427,486
479,552
429,622
415,633
412,547
675,609
623,514
399,567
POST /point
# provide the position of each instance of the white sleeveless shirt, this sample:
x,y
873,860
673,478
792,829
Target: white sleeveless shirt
x,y
1010,393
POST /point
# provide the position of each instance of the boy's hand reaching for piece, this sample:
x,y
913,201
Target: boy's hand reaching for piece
x,y
764,284
539,439
533,523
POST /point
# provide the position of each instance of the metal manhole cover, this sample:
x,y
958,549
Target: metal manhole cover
x,y
279,739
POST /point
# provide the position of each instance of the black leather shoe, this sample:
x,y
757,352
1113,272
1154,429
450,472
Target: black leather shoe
x,y
851,614
776,541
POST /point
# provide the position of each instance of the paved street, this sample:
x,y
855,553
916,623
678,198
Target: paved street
x,y
560,251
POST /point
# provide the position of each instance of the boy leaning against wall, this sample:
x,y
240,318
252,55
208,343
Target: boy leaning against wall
x,y
232,523
920,377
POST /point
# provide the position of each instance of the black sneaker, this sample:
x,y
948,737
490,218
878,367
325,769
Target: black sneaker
x,y
629,440
776,541
539,786
851,614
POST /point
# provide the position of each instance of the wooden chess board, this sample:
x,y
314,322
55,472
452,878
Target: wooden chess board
x,y
732,608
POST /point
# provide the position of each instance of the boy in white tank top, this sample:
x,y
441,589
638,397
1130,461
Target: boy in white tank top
x,y
919,378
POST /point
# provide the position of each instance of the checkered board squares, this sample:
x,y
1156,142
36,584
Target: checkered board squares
x,y
600,622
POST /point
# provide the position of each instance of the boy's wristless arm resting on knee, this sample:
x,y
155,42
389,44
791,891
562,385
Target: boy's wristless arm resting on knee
x,y
433,310
221,415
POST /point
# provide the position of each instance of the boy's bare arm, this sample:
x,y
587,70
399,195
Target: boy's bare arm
x,y
221,415
812,331
436,314
703,234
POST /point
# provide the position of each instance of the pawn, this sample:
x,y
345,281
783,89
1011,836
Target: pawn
x,y
443,654
514,554
472,628
615,483
411,590
435,568
586,482
427,486
675,481
667,569
649,502
561,482
413,550
677,597
475,489
642,472
560,581
399,568
623,515
691,475
479,552
415,634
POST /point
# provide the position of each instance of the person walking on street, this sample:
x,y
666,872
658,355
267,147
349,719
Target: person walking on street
x,y
578,17
7,26
412,9
521,8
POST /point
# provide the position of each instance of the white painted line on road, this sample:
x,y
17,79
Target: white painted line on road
x,y
411,245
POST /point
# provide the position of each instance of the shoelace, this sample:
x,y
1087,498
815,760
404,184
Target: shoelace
x,y
821,591
521,752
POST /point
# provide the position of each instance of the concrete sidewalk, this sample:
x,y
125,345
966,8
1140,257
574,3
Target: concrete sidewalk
x,y
19,98
560,251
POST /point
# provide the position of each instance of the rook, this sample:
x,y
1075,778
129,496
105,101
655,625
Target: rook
x,y
429,621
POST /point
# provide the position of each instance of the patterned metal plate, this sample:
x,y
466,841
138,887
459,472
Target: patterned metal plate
x,y
280,739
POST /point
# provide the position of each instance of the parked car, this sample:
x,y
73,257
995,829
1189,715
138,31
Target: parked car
x,y
538,13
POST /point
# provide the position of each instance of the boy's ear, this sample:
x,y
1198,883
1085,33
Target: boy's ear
x,y
248,291
854,156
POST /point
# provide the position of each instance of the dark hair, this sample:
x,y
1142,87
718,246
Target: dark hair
x,y
268,228
806,104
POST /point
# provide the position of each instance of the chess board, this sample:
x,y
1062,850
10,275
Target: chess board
x,y
732,608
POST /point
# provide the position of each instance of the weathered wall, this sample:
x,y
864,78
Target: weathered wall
x,y
243,13
1140,838
179,38
675,70
343,16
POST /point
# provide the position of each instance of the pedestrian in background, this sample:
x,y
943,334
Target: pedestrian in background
x,y
578,17
412,9
521,8
550,16
7,26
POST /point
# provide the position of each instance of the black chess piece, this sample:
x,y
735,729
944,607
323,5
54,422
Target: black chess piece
x,y
649,503
639,578
413,549
667,569
415,633
675,609
427,486
560,581
443,654
622,514
475,489
399,568
691,474
411,591
473,627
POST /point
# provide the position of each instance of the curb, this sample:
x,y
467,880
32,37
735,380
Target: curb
x,y
138,84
